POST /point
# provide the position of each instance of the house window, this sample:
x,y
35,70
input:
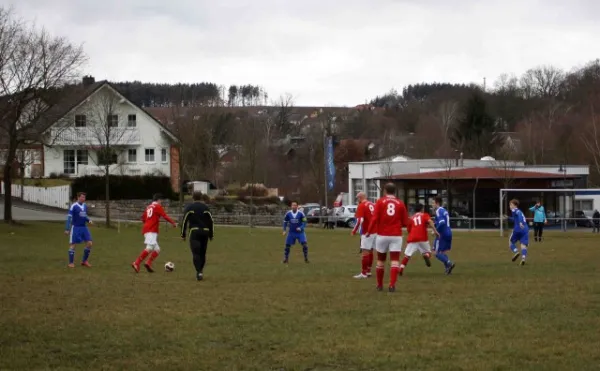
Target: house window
x,y
80,121
131,121
82,157
107,157
113,121
132,155
69,161
357,186
372,190
584,205
149,155
163,154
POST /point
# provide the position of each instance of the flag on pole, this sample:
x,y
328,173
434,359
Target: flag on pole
x,y
330,164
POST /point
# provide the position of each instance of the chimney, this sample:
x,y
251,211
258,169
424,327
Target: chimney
x,y
88,80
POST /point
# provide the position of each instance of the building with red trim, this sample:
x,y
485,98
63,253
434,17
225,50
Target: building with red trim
x,y
469,187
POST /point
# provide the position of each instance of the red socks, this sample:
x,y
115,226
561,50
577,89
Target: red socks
x,y
142,256
404,261
366,268
153,256
370,262
380,272
394,275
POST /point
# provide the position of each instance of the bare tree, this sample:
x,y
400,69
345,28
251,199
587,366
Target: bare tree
x,y
284,108
106,133
544,82
32,64
591,139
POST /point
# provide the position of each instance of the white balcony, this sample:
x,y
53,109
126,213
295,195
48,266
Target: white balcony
x,y
122,169
72,136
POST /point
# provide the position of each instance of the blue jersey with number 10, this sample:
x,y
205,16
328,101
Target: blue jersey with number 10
x,y
519,221
442,222
295,220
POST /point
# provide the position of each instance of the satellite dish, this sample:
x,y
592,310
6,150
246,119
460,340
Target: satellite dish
x,y
488,158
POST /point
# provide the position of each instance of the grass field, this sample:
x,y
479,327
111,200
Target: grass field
x,y
253,313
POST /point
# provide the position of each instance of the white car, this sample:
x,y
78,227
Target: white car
x,y
345,215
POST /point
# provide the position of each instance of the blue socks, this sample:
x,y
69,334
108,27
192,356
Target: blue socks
x,y
443,258
86,254
524,252
286,252
305,251
71,256
513,248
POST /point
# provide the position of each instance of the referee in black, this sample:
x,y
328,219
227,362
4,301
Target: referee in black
x,y
198,224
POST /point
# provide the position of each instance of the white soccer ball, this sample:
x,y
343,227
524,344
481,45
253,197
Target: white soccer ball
x,y
169,267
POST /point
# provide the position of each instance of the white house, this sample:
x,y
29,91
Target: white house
x,y
95,117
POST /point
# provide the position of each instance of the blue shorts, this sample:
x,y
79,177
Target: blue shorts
x,y
292,237
443,243
79,235
521,237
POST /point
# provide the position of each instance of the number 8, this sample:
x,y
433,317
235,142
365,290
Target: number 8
x,y
391,209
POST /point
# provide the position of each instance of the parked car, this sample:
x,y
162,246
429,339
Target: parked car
x,y
553,217
315,215
345,216
459,221
583,218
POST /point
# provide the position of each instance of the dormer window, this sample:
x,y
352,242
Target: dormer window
x,y
80,121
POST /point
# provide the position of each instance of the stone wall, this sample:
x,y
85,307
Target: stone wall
x,y
232,212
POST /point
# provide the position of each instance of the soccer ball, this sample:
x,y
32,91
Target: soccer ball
x,y
169,267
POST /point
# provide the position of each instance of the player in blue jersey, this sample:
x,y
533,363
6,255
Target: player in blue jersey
x,y
77,229
520,232
443,241
295,221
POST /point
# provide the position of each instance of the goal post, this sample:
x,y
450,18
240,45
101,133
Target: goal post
x,y
564,207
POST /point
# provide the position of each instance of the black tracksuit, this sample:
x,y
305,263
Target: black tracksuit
x,y
198,223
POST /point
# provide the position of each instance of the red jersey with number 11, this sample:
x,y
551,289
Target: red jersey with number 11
x,y
417,229
389,218
151,218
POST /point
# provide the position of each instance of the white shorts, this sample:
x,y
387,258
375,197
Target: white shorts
x,y
151,238
367,243
383,244
412,247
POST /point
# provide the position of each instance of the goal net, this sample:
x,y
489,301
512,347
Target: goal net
x,y
565,209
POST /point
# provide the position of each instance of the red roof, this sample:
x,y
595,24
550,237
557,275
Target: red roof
x,y
481,173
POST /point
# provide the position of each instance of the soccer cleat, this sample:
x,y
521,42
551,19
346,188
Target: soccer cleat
x,y
86,264
400,271
427,259
306,261
379,288
361,276
516,256
71,265
199,276
391,289
450,268
369,274
285,261
522,262
136,267
148,268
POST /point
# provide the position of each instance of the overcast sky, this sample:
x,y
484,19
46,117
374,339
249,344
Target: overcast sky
x,y
323,52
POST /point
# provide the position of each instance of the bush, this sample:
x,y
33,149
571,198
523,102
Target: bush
x,y
124,187
253,191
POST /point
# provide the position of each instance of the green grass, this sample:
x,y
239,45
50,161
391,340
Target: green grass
x,y
253,313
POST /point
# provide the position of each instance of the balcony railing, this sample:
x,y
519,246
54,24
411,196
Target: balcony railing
x,y
92,137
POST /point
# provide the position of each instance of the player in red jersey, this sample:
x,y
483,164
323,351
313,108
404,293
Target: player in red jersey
x,y
151,218
417,237
389,218
364,214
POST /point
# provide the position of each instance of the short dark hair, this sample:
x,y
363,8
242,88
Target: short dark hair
x,y
157,196
293,202
390,189
197,196
515,202
438,200
81,194
418,208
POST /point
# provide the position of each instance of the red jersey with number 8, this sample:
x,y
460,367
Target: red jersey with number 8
x,y
389,218
417,229
151,218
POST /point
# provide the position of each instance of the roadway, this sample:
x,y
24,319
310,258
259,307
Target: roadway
x,y
30,213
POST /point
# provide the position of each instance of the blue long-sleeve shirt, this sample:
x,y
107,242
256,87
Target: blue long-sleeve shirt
x,y
77,216
294,220
442,222
539,214
519,222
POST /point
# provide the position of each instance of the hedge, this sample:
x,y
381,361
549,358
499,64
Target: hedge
x,y
124,187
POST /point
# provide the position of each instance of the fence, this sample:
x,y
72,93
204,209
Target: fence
x,y
59,197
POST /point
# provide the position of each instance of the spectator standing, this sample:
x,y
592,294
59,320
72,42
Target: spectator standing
x,y
539,219
596,221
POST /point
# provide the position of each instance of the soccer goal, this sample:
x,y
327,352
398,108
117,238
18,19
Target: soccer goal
x,y
565,208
